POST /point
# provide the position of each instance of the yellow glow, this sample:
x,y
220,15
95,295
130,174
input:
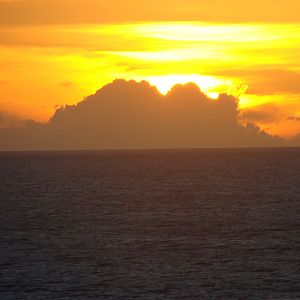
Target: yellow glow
x,y
46,66
207,84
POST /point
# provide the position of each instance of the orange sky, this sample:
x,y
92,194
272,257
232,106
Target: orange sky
x,y
56,52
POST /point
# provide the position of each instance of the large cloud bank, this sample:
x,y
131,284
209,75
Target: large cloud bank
x,y
132,115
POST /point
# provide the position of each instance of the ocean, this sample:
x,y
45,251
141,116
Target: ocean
x,y
150,224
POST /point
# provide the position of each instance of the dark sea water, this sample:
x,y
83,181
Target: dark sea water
x,y
184,224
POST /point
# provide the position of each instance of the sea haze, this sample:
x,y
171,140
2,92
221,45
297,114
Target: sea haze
x,y
172,224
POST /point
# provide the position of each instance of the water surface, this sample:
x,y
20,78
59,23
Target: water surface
x,y
172,224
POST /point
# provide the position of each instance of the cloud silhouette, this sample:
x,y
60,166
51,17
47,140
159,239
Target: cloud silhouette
x,y
132,115
10,120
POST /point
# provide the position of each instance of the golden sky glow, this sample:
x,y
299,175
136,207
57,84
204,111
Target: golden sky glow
x,y
46,66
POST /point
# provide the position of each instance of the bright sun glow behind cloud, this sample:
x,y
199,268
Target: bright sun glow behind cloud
x,y
209,84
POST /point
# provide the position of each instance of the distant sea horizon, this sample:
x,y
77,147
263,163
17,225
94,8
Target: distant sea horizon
x,y
152,149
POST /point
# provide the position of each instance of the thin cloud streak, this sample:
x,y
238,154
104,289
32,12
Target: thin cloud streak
x,y
36,12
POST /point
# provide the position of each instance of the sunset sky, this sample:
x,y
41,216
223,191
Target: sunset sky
x,y
54,53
